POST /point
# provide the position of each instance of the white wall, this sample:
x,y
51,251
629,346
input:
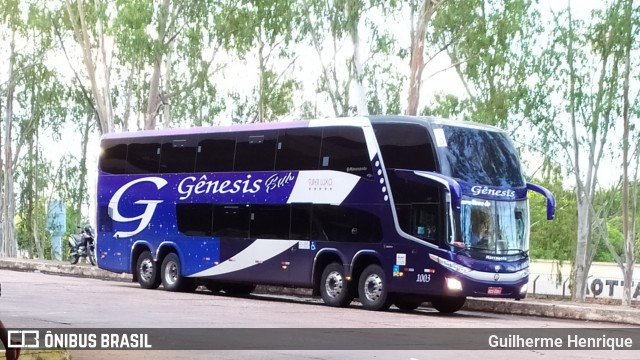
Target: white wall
x,y
605,279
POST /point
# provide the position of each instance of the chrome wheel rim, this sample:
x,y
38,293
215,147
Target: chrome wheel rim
x,y
146,269
373,287
334,284
171,273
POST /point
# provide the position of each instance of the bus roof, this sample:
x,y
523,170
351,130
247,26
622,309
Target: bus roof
x,y
377,119
431,121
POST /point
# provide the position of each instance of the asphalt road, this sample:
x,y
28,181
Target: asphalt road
x,y
50,301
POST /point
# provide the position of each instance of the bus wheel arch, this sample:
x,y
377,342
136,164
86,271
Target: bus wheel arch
x,y
361,262
320,263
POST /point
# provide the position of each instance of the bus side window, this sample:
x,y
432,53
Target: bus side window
x,y
298,149
345,149
143,156
269,222
215,153
231,221
113,157
347,224
195,219
300,222
255,151
178,154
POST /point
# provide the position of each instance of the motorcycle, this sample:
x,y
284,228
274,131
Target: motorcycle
x,y
83,245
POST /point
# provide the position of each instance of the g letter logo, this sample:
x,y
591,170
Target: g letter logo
x,y
145,217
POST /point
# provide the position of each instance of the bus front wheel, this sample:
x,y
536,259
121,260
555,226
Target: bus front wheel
x,y
334,288
372,289
448,304
147,271
172,279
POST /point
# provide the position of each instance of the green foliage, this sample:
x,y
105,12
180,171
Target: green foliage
x,y
491,46
553,239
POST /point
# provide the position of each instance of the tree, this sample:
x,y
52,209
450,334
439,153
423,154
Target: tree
x,y
491,46
417,62
628,220
584,69
89,32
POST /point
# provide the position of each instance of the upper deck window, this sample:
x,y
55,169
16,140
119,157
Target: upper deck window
x,y
482,157
113,158
298,149
143,156
255,151
216,152
405,146
345,149
178,154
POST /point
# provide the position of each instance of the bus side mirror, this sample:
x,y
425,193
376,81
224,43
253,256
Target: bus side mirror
x,y
551,200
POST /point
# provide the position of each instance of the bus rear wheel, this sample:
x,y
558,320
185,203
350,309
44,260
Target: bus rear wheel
x,y
448,304
334,288
372,289
171,274
147,271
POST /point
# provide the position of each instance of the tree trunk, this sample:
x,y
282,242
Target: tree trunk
x,y
261,70
82,176
34,222
10,248
101,98
427,9
361,93
579,280
627,231
167,88
29,190
153,101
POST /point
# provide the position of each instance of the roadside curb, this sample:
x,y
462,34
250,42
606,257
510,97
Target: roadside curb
x,y
528,307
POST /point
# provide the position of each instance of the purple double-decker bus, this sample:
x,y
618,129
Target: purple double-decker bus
x,y
391,210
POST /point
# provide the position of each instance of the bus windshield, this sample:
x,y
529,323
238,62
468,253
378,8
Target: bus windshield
x,y
479,156
494,227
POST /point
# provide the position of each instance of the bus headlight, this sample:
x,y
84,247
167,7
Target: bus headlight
x,y
524,289
454,284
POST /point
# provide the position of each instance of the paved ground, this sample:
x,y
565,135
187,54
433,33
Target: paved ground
x,y
534,307
62,302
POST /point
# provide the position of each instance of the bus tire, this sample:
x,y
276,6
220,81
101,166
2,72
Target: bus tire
x,y
334,288
172,280
147,271
407,303
372,289
448,304
238,289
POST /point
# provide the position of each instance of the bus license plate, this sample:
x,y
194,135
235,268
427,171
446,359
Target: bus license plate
x,y
494,290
